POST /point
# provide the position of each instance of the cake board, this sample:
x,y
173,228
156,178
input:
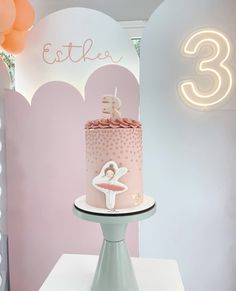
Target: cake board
x,y
114,269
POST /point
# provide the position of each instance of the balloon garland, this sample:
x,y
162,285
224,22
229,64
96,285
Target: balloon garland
x,y
16,17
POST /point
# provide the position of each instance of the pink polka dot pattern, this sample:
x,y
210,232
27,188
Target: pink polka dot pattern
x,y
123,146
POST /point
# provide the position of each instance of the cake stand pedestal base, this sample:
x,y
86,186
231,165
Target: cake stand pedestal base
x,y
114,270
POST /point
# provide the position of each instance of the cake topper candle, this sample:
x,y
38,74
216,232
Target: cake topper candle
x,y
111,106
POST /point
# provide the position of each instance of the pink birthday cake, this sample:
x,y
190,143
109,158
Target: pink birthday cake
x,y
114,163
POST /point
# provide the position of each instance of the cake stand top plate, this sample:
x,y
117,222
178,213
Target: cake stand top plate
x,y
101,215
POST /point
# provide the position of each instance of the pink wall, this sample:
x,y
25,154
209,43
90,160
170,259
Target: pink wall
x,y
46,171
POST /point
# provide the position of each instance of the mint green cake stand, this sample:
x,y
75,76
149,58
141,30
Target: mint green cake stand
x,y
114,269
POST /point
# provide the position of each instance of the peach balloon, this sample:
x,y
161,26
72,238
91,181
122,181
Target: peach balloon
x,y
7,14
2,38
24,15
14,41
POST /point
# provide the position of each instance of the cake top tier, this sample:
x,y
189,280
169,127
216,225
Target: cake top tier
x,y
112,123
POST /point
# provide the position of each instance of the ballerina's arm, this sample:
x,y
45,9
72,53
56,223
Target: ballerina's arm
x,y
120,172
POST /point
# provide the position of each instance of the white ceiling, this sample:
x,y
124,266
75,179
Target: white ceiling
x,y
120,10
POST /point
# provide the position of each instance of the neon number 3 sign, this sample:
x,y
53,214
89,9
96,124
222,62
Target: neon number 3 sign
x,y
213,66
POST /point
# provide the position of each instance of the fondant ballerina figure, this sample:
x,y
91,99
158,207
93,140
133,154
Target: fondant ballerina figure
x,y
107,182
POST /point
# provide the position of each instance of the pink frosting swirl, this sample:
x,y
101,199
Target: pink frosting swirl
x,y
113,123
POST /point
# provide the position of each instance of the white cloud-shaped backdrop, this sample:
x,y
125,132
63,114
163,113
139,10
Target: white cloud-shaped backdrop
x,y
69,45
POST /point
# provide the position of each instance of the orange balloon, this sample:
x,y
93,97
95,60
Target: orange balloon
x,y
7,14
24,15
14,41
2,38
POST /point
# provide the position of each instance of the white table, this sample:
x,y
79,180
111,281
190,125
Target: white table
x,y
76,272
